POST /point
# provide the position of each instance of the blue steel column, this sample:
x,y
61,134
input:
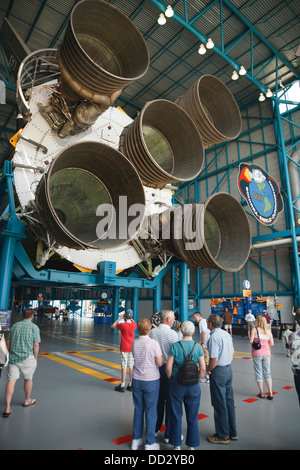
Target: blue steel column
x,y
157,297
115,304
135,303
290,206
183,292
11,235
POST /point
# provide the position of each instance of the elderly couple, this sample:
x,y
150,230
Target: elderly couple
x,y
157,359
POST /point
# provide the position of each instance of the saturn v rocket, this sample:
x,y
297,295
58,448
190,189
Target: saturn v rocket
x,y
95,185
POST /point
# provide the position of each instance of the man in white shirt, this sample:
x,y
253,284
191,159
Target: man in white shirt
x,y
165,336
204,337
203,330
250,319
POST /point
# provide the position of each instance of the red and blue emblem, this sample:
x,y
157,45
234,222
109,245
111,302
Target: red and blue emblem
x,y
261,193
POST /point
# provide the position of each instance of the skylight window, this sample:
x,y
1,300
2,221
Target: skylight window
x,y
290,97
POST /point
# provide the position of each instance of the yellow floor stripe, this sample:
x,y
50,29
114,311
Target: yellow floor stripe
x,y
100,361
77,341
242,352
94,351
94,373
80,368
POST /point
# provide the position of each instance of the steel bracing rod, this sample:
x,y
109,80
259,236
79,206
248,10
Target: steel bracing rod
x,y
221,50
260,36
290,202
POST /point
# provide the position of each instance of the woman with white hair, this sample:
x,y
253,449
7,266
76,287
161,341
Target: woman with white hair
x,y
189,395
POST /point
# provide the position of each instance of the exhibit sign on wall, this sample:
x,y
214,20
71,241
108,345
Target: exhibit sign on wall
x,y
261,192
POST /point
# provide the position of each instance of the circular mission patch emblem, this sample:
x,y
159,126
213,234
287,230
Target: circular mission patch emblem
x,y
261,193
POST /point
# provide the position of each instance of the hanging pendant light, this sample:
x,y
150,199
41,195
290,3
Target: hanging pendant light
x,y
201,49
169,12
161,19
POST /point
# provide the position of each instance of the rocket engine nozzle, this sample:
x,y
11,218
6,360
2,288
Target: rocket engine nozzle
x,y
213,234
85,181
163,144
213,109
102,52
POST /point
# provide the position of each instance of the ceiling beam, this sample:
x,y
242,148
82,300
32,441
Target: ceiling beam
x,y
221,51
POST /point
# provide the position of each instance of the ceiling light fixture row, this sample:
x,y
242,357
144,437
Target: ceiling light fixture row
x,y
209,45
169,13
243,71
235,75
262,97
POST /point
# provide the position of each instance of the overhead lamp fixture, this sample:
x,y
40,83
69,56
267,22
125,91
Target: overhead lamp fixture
x,y
269,94
201,49
169,12
161,19
242,70
261,97
234,75
210,44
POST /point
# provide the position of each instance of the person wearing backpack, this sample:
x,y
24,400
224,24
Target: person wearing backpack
x,y
185,366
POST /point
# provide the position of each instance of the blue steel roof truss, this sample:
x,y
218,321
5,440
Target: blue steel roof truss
x,y
245,48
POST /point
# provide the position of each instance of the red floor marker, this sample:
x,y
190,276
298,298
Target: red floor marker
x,y
128,438
112,379
288,387
122,440
250,400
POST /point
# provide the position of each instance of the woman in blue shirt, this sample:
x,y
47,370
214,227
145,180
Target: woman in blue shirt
x,y
189,395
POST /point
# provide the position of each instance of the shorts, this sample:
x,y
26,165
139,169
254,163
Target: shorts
x,y
227,327
262,368
26,368
127,360
206,356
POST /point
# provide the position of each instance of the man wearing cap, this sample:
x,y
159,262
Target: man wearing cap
x,y
126,325
268,319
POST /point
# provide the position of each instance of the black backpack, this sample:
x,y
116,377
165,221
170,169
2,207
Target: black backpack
x,y
189,372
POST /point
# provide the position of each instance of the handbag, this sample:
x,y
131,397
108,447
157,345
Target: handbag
x,y
256,344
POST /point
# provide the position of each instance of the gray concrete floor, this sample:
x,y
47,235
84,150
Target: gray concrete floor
x,y
77,407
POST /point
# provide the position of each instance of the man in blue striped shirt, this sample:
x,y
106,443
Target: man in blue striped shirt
x,y
23,345
220,348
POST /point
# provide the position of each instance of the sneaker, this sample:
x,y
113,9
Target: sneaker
x,y
214,439
232,438
190,448
177,448
136,443
154,446
129,388
206,381
119,388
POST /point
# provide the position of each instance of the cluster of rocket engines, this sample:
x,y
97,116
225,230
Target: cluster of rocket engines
x,y
101,53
